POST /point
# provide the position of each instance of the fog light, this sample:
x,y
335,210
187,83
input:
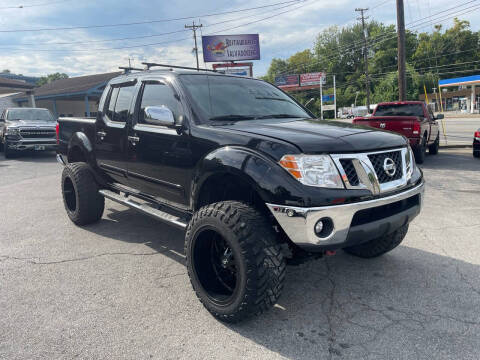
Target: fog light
x,y
323,228
290,212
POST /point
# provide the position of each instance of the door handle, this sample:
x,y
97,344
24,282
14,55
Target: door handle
x,y
101,134
134,139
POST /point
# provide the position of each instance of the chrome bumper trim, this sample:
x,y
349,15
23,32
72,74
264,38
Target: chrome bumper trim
x,y
300,226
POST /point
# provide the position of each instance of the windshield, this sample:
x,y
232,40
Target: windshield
x,y
30,115
400,110
226,98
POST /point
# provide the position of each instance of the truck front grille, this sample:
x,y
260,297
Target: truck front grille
x,y
379,171
350,171
378,161
37,133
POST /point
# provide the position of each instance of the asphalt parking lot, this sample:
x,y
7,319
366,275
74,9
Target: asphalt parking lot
x,y
118,289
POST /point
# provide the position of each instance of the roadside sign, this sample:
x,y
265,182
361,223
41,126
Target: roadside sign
x,y
285,81
327,98
231,47
328,107
312,79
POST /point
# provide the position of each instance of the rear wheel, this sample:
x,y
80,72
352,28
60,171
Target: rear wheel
x,y
433,149
420,151
379,246
234,262
83,203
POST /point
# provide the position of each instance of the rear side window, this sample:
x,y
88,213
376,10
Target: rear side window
x,y
119,103
400,110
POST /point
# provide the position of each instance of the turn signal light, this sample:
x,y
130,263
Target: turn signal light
x,y
289,163
57,130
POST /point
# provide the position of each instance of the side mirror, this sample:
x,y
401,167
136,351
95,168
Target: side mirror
x,y
440,116
159,115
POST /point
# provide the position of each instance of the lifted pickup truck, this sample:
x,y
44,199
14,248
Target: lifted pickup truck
x,y
249,174
413,119
26,129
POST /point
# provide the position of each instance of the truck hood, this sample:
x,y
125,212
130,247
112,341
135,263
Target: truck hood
x,y
315,136
31,124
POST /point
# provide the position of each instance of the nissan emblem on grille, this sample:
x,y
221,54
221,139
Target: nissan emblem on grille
x,y
383,125
389,167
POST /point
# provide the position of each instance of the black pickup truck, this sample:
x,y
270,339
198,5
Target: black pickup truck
x,y
250,175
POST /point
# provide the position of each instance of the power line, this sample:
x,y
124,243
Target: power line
x,y
34,5
162,42
148,21
136,37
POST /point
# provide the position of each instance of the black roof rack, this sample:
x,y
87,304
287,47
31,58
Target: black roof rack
x,y
129,68
149,65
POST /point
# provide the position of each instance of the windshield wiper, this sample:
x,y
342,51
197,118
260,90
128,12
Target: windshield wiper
x,y
281,116
233,117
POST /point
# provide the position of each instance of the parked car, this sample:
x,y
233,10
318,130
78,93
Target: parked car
x,y
26,129
248,173
413,119
476,144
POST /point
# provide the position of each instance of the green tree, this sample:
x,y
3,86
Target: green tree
x,y
50,78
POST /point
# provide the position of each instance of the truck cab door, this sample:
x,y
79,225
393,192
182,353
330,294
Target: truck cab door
x,y
111,131
159,156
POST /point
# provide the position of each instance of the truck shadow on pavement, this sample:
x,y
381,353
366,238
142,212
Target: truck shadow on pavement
x,y
457,160
406,304
31,156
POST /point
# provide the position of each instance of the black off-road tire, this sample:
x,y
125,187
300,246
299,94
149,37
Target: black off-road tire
x,y
83,203
420,151
9,153
433,149
379,246
255,252
476,153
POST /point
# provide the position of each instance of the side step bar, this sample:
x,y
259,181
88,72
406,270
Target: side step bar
x,y
146,209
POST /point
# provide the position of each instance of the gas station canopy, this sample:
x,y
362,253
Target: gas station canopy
x,y
466,80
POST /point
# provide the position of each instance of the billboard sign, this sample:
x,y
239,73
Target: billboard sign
x,y
312,79
230,47
286,81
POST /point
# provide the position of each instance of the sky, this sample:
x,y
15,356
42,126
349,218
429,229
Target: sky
x,y
283,29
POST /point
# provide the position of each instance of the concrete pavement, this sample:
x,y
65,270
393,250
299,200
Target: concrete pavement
x,y
119,290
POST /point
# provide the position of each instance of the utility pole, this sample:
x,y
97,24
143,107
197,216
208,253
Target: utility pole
x,y
194,28
402,76
365,53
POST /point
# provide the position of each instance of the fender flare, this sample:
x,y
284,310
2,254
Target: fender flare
x,y
261,173
81,141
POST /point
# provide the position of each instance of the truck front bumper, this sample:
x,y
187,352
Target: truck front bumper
x,y
348,224
34,144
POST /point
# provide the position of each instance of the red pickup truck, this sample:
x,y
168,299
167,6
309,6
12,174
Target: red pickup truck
x,y
413,119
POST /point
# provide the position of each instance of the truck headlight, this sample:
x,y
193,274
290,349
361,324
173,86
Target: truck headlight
x,y
12,131
410,162
313,170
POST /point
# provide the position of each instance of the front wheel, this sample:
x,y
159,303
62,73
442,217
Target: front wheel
x,y
433,149
8,152
379,246
83,203
234,262
420,151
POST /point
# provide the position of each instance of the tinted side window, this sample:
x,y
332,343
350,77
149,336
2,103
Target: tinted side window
x,y
122,106
112,98
156,94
